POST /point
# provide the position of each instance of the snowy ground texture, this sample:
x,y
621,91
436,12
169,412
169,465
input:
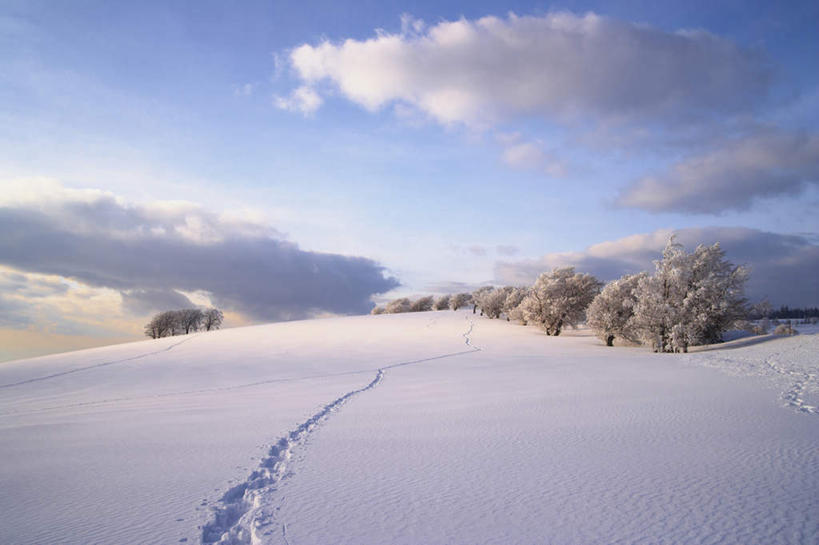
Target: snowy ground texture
x,y
433,428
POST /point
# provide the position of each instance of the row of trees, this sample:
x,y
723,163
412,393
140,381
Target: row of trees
x,y
424,304
183,321
692,298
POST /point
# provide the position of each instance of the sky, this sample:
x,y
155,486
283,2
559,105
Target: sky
x,y
294,160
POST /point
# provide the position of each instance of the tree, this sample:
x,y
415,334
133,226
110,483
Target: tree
x,y
477,298
691,298
560,298
212,319
660,299
189,319
459,300
377,310
442,303
491,301
423,304
397,306
511,305
609,315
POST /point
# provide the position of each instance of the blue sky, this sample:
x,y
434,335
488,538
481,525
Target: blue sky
x,y
443,152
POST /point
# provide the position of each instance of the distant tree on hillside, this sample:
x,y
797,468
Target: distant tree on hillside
x,y
560,298
610,313
477,298
423,304
212,319
397,306
459,300
442,303
511,306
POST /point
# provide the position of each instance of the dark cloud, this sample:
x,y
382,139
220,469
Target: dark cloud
x,y
783,267
148,301
731,177
148,251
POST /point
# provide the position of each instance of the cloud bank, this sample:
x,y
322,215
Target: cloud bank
x,y
733,176
783,267
560,66
150,252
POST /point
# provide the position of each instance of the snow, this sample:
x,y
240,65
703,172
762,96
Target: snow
x,y
435,427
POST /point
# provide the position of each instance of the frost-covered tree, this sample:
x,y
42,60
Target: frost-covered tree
x,y
423,304
715,297
398,306
477,298
610,313
377,310
442,303
491,301
691,298
660,299
512,305
459,300
560,298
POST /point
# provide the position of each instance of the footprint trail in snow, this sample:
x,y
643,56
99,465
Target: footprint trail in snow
x,y
245,514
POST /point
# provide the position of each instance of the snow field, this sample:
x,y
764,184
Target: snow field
x,y
438,427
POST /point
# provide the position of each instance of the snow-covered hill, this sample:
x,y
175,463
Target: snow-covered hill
x,y
436,427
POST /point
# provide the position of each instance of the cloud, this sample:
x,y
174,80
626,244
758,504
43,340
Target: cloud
x,y
734,176
302,99
476,250
148,252
783,267
560,66
506,249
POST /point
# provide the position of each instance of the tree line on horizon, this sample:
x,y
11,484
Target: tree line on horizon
x,y
183,321
690,299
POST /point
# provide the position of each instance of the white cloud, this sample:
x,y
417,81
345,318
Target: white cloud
x,y
304,100
561,66
732,176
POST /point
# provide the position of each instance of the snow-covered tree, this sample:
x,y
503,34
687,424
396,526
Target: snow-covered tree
x,y
459,300
511,306
423,304
477,298
442,303
377,310
609,315
491,301
560,298
660,299
399,305
691,298
716,295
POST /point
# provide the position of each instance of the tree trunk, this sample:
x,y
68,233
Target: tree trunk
x,y
610,340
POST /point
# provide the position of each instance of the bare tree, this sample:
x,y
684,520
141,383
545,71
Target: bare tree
x,y
212,319
190,319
